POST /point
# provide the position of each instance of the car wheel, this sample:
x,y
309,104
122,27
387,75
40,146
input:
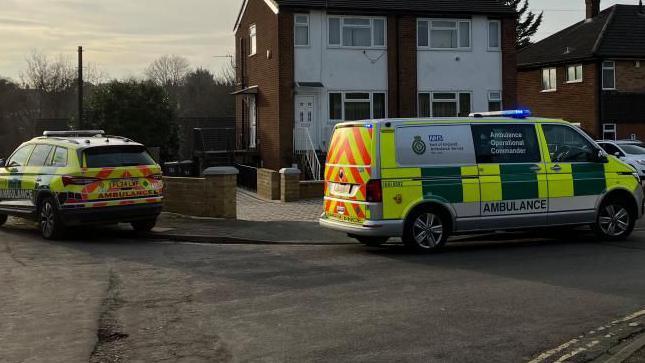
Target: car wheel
x,y
426,230
3,219
615,221
372,241
51,226
144,226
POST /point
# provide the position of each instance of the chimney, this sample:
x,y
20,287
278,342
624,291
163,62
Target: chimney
x,y
593,8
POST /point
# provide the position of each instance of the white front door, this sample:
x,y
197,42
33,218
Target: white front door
x,y
305,125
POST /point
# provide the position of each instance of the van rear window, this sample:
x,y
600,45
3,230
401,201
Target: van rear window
x,y
117,156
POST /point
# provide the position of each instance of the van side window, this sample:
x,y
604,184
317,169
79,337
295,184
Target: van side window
x,y
506,144
567,145
59,159
434,145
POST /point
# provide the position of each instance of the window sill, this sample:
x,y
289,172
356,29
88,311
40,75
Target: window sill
x,y
426,49
609,89
302,46
548,91
579,81
355,48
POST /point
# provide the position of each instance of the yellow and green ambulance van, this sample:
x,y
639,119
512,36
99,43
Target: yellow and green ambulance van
x,y
71,178
425,179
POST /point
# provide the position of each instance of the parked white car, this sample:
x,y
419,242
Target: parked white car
x,y
630,151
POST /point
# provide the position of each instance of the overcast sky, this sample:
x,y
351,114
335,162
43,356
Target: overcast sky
x,y
122,36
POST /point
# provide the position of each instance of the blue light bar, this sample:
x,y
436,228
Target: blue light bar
x,y
369,126
519,114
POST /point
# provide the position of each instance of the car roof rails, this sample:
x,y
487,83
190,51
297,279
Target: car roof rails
x,y
74,133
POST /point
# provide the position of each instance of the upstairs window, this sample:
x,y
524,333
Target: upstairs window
x,y
443,34
301,31
494,35
549,79
574,73
609,75
353,32
253,40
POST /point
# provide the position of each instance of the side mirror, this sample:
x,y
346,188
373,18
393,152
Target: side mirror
x,y
601,156
2,163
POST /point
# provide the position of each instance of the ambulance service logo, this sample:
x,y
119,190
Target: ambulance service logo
x,y
418,146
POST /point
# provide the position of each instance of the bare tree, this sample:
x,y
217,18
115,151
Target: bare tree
x,y
227,74
168,71
48,75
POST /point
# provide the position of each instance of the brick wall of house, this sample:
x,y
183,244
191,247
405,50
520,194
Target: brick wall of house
x,y
284,157
393,66
509,64
629,77
262,71
407,62
575,102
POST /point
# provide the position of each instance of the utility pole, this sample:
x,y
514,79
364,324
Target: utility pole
x,y
80,88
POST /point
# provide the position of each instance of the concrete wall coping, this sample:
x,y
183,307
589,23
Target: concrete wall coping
x,y
290,171
221,170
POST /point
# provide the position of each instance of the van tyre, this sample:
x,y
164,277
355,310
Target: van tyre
x,y
144,226
426,230
3,219
372,241
51,225
615,221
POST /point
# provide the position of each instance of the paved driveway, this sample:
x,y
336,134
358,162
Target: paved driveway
x,y
106,299
252,208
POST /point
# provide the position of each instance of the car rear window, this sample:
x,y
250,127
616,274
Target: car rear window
x,y
117,156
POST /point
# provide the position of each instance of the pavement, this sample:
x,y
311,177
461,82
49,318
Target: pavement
x,y
104,297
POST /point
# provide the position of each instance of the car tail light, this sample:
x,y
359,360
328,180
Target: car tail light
x,y
374,192
76,180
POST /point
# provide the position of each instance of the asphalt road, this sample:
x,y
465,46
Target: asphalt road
x,y
104,298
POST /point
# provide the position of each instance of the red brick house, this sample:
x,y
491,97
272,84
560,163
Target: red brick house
x,y
592,73
305,65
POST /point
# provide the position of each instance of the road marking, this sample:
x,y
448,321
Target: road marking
x,y
602,339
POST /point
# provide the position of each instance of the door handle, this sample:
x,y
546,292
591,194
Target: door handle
x,y
536,168
556,168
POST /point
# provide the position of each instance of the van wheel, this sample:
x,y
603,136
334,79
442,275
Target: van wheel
x,y
372,241
615,221
426,230
3,219
144,226
51,226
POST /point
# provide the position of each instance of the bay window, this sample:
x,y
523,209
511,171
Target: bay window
x,y
353,106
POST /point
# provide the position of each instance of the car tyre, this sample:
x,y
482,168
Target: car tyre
x,y
615,221
144,226
372,241
3,219
426,230
50,223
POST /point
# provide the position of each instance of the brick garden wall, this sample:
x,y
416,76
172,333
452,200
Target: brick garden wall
x,y
268,184
213,197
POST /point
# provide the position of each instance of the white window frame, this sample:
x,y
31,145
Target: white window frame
x,y
613,68
296,25
253,40
433,100
345,100
609,129
499,36
457,22
575,71
494,99
554,86
341,24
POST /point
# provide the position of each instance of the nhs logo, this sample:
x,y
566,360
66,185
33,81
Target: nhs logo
x,y
435,138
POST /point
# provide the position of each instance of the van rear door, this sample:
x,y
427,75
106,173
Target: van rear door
x,y
349,183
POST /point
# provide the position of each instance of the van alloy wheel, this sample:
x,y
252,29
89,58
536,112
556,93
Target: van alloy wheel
x,y
614,220
427,230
